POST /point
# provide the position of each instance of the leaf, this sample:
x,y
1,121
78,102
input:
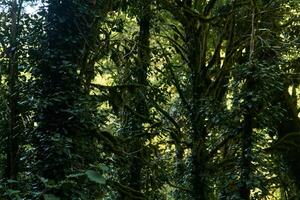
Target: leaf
x,y
12,181
13,192
50,197
95,177
104,167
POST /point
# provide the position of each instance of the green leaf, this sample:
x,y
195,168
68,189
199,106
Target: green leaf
x,y
12,181
13,192
95,177
50,197
104,167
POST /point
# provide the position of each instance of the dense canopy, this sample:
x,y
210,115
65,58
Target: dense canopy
x,y
149,99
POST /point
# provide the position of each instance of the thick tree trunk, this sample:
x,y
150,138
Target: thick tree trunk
x,y
58,140
57,81
196,46
199,187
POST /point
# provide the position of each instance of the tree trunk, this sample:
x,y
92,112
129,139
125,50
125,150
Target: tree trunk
x,y
196,46
60,138
246,155
12,138
199,187
134,123
180,171
141,108
247,134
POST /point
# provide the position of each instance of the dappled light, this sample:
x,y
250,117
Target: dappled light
x,y
149,100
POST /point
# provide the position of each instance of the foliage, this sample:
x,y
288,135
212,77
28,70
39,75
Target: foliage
x,y
165,99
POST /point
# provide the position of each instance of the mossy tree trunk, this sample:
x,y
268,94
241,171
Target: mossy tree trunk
x,y
135,118
60,138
